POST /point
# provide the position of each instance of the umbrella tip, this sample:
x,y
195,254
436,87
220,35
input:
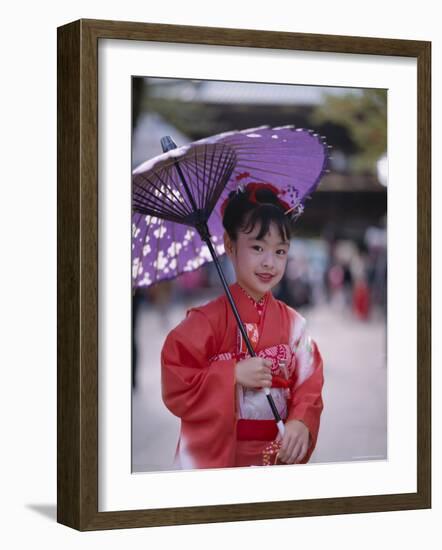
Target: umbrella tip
x,y
167,144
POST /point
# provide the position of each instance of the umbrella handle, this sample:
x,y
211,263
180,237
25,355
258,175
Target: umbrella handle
x,y
279,423
205,235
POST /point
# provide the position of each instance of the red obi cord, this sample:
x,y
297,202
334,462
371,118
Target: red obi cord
x,y
279,382
258,430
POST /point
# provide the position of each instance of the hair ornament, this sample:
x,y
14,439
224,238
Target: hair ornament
x,y
242,175
295,211
252,187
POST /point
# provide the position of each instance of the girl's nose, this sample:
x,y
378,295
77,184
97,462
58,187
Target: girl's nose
x,y
267,260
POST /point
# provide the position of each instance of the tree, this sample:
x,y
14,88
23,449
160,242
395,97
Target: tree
x,y
364,115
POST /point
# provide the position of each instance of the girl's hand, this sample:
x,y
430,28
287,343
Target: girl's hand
x,y
294,443
254,372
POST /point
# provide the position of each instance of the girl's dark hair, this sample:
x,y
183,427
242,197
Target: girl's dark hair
x,y
243,214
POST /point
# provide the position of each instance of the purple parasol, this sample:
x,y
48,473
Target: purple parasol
x,y
178,198
165,242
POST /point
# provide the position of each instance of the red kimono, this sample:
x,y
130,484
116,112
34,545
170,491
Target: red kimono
x,y
224,424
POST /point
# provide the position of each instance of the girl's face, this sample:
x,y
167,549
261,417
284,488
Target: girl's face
x,y
259,264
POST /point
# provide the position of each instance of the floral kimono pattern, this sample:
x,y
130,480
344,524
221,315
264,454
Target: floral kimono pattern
x,y
198,379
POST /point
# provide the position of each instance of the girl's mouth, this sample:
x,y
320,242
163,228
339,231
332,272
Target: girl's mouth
x,y
264,277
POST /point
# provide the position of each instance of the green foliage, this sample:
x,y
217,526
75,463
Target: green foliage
x,y
364,116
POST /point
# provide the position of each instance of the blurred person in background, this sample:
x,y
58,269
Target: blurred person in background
x,y
376,242
361,303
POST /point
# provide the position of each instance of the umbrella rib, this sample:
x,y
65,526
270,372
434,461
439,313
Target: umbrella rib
x,y
206,186
184,165
230,164
153,184
227,159
144,187
145,197
188,202
217,170
205,183
193,169
167,180
222,183
213,175
171,183
198,190
151,208
189,193
207,192
210,178
190,175
179,206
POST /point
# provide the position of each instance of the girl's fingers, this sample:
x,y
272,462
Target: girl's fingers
x,y
265,382
295,453
266,378
287,448
303,452
293,450
300,454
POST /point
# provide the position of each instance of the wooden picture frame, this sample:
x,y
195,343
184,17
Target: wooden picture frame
x,y
77,224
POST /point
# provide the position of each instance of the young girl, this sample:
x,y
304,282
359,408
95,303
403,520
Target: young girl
x,y
209,379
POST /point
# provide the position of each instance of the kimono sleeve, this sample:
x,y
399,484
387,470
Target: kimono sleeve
x,y
193,388
306,404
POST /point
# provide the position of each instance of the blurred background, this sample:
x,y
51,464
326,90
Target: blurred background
x,y
336,275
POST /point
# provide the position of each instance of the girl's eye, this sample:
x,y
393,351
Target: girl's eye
x,y
281,252
257,247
